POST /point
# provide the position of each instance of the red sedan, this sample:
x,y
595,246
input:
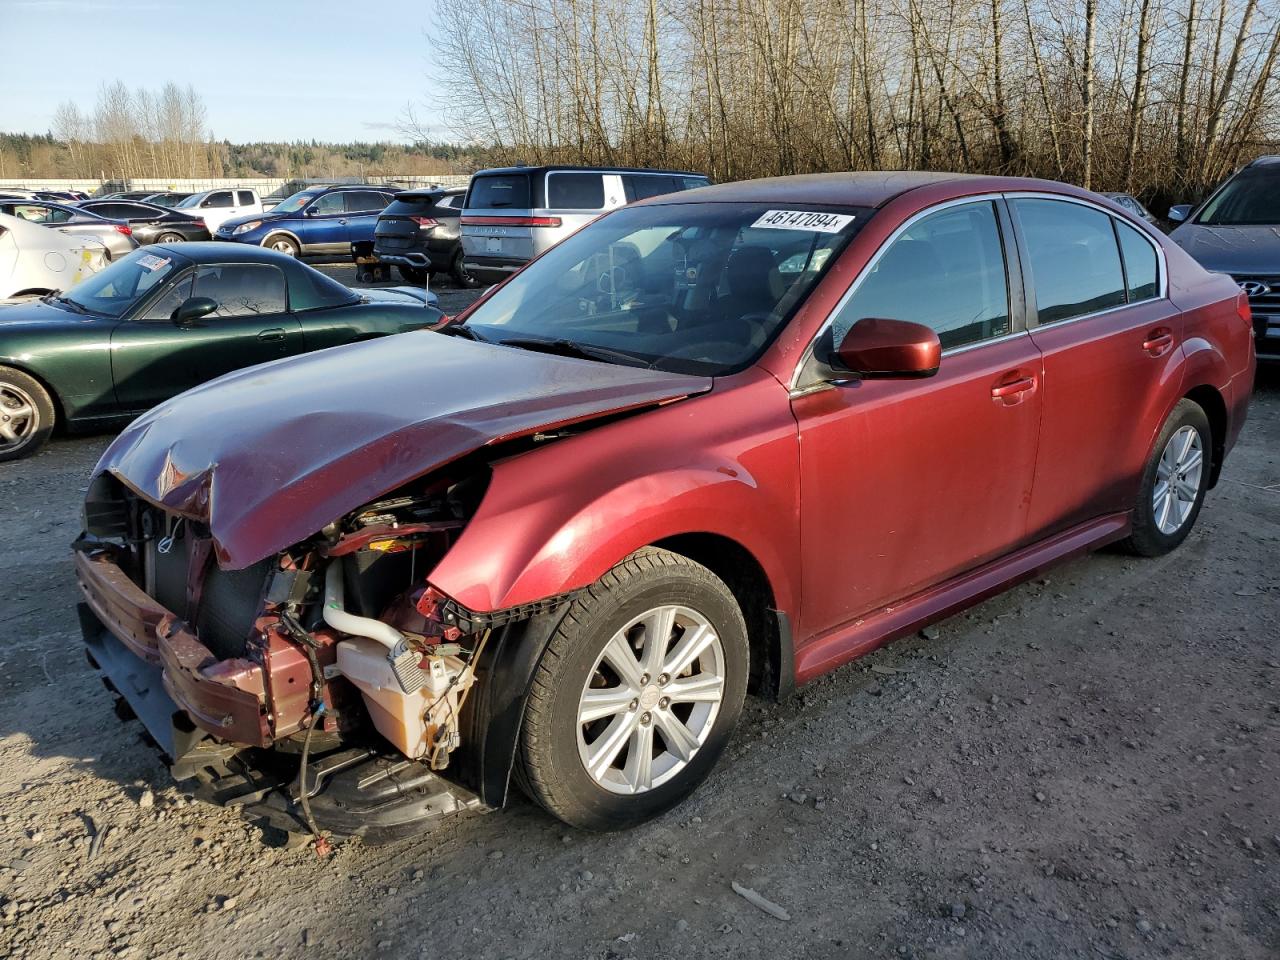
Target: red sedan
x,y
720,441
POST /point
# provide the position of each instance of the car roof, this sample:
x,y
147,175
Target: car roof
x,y
211,251
550,168
857,189
427,192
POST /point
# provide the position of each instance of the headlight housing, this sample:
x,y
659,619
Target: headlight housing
x,y
246,227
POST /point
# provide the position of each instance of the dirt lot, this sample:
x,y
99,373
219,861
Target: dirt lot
x,y
1088,766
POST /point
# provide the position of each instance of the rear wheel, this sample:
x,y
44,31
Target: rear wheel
x,y
170,238
461,277
1174,483
636,694
26,414
281,244
416,275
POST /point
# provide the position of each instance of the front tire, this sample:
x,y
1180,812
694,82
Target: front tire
x,y
637,693
1174,483
26,415
281,244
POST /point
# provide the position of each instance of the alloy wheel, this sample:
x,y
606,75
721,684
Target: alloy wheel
x,y
283,245
650,700
19,417
1178,476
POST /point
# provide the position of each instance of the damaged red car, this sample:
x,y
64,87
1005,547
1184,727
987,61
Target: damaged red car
x,y
714,443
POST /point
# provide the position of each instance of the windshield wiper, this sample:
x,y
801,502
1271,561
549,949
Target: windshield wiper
x,y
76,307
462,330
570,348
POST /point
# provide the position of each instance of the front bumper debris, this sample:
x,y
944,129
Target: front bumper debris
x,y
166,678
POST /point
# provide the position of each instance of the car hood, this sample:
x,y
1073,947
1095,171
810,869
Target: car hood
x,y
1234,250
269,455
22,315
265,217
411,295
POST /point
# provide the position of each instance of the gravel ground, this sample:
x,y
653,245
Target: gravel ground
x,y
1087,766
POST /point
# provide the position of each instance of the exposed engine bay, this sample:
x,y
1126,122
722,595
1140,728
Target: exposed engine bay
x,y
305,653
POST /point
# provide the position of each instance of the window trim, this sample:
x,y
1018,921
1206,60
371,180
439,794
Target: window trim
x,y
1162,267
139,311
1013,278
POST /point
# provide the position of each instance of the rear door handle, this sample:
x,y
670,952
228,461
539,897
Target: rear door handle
x,y
275,333
1158,342
1011,391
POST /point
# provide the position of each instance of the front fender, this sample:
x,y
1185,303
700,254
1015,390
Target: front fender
x,y
556,519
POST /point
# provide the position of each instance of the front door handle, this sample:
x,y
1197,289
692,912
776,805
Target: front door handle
x,y
275,333
342,219
1158,342
1012,391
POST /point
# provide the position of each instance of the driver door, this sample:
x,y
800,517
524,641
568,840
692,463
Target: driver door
x,y
153,359
906,483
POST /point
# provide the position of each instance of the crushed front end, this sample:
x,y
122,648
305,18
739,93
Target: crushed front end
x,y
320,689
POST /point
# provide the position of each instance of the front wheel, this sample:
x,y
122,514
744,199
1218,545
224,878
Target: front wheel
x,y
1174,483
636,694
26,414
281,244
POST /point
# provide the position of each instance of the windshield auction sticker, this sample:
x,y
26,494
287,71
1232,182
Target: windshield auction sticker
x,y
151,262
803,220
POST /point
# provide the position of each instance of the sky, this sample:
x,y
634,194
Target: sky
x,y
268,70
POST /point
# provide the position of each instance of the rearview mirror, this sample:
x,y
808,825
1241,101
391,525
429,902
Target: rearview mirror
x,y
191,310
889,349
1179,212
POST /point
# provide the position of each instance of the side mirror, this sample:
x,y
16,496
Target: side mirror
x,y
311,212
192,310
1180,212
889,349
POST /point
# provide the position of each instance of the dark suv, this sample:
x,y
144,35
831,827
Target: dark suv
x,y
418,232
1237,231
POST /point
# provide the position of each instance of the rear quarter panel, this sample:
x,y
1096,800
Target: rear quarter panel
x,y
339,325
557,518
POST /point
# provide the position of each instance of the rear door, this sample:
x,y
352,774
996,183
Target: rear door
x,y
152,359
1112,345
363,207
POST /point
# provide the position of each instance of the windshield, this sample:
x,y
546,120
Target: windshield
x,y
688,288
295,202
1251,198
192,201
114,290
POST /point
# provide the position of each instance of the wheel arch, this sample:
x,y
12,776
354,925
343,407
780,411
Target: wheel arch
x,y
280,231
1214,405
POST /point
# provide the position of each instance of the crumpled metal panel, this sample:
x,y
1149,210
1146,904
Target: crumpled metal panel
x,y
269,455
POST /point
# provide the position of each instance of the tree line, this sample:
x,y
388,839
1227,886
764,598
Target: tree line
x,y
1152,96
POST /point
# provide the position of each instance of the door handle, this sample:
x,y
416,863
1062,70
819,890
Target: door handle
x,y
342,219
1158,342
1011,392
275,333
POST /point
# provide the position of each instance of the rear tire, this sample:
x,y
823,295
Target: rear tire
x,y
415,275
170,238
1174,483
461,277
610,739
26,415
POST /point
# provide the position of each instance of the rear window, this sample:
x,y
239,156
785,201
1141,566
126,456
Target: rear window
x,y
575,191
496,192
410,206
309,289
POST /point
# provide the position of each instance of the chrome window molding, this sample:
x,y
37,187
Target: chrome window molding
x,y
1162,284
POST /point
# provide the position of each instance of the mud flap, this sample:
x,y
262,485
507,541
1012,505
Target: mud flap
x,y
131,678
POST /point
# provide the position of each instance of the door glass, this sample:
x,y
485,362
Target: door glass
x,y
641,186
365,201
220,199
1141,271
170,300
1075,263
946,271
575,191
329,203
242,289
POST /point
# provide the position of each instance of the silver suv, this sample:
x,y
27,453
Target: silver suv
x,y
512,214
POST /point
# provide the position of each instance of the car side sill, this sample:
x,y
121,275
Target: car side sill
x,y
843,644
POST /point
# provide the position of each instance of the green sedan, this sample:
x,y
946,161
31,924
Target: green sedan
x,y
165,319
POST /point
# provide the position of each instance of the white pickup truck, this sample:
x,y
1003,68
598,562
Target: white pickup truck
x,y
216,207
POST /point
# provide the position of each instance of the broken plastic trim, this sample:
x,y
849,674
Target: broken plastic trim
x,y
453,614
